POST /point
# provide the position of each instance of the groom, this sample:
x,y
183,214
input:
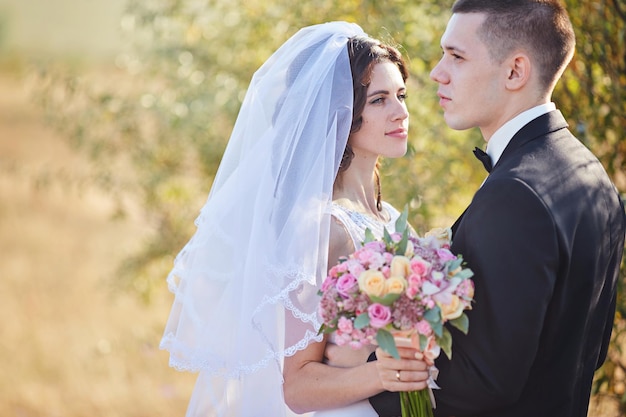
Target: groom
x,y
544,234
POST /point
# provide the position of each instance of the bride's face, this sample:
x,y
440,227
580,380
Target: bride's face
x,y
384,130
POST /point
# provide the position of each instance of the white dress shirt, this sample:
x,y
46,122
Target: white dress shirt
x,y
501,138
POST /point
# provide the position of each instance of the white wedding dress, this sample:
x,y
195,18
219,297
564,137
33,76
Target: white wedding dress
x,y
355,224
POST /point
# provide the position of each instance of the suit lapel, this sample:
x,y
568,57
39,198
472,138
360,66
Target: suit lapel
x,y
535,129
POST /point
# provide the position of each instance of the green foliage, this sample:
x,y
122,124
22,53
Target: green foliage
x,y
155,128
592,94
593,90
387,343
461,323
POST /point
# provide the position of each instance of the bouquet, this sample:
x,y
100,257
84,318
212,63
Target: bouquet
x,y
399,289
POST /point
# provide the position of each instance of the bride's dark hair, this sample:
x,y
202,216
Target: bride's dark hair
x,y
365,53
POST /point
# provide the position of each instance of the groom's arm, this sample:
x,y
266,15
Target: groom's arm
x,y
508,239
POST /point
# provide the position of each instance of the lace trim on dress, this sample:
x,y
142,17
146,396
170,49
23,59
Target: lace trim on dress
x,y
202,360
356,223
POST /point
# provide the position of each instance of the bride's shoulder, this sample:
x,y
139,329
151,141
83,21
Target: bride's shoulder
x,y
339,242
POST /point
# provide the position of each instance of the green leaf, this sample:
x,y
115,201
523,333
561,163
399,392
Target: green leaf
x,y
362,320
401,221
433,316
445,341
461,323
387,343
403,243
464,274
387,237
369,236
454,264
324,329
423,342
385,300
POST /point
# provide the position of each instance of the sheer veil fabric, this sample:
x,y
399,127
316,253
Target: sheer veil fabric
x,y
246,283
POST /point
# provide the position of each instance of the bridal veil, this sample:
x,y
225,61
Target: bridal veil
x,y
246,283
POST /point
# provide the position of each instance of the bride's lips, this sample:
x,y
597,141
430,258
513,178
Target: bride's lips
x,y
400,133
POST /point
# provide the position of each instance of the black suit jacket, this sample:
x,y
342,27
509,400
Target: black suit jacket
x,y
544,236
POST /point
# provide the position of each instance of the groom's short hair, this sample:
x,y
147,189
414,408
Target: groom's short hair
x,y
541,28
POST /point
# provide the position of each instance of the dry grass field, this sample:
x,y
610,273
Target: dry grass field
x,y
70,345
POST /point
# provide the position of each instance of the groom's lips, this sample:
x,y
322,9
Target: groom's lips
x,y
443,100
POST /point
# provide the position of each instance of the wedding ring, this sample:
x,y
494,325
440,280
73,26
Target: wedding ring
x,y
398,375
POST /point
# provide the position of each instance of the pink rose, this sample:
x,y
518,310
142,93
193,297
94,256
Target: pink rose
x,y
379,314
349,304
373,260
423,327
412,292
414,285
345,325
328,283
420,266
386,271
466,289
346,284
445,255
332,272
376,246
354,267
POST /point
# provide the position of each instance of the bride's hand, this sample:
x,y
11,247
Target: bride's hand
x,y
409,373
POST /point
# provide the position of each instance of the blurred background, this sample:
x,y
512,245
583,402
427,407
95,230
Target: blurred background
x,y
113,118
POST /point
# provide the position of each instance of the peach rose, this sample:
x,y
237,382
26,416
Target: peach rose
x,y
395,285
372,282
451,310
400,266
442,236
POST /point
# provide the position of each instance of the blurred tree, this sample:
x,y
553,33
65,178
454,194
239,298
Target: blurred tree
x,y
592,94
158,138
155,129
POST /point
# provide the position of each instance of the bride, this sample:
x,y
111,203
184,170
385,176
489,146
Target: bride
x,y
296,188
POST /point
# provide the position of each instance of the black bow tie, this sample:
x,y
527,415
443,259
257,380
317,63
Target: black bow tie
x,y
484,158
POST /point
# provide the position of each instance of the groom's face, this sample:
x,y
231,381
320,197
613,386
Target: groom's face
x,y
470,83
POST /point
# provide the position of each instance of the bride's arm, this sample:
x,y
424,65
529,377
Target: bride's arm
x,y
310,384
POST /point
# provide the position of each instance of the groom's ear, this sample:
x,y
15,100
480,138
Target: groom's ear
x,y
519,70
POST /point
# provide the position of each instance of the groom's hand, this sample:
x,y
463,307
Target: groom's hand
x,y
345,356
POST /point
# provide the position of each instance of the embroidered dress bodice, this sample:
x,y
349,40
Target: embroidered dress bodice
x,y
356,223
